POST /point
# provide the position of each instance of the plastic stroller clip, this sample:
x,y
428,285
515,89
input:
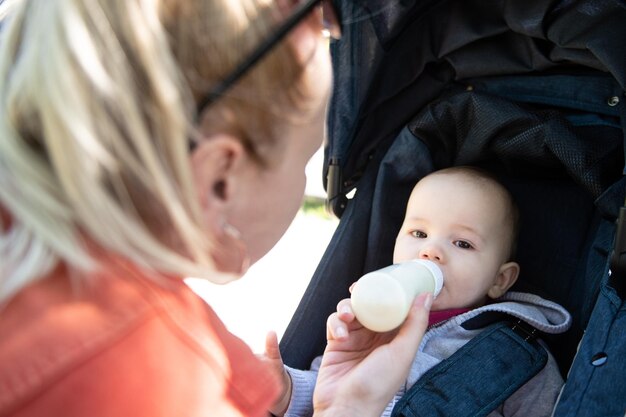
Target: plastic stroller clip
x,y
336,201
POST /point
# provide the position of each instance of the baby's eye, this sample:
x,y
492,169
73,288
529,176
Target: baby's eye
x,y
418,234
463,244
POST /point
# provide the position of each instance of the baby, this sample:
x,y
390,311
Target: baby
x,y
466,222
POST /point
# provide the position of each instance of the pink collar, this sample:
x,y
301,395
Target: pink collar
x,y
437,317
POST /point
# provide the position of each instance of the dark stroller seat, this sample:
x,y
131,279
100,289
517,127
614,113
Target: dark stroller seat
x,y
533,91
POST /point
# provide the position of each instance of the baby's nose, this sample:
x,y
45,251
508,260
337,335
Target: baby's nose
x,y
432,253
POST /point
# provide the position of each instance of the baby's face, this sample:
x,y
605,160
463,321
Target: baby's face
x,y
462,227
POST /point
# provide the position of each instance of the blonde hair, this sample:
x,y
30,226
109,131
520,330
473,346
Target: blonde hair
x,y
97,104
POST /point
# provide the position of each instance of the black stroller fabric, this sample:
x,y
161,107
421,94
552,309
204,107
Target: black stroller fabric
x,y
531,90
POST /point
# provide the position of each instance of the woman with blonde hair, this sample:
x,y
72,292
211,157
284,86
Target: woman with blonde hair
x,y
143,141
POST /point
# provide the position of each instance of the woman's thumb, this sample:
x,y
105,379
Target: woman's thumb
x,y
412,330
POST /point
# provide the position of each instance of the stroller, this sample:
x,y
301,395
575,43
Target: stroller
x,y
531,90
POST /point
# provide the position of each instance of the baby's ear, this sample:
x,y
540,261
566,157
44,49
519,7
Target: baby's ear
x,y
507,275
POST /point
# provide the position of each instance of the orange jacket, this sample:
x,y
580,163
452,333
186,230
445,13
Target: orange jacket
x,y
118,344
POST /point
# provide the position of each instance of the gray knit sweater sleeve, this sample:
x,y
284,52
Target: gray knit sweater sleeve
x,y
303,385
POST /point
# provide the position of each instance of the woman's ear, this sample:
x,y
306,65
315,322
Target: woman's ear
x,y
217,163
214,165
507,275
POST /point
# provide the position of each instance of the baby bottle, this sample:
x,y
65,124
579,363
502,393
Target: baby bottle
x,y
381,299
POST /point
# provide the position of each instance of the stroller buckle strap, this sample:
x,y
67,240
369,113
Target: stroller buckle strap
x,y
525,331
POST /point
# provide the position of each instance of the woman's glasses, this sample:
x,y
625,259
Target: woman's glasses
x,y
332,25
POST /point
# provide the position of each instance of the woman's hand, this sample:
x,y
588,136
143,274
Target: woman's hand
x,y
361,370
273,358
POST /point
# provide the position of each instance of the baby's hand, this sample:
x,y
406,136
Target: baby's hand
x,y
273,358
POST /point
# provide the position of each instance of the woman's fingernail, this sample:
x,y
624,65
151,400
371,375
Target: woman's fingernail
x,y
428,301
340,333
